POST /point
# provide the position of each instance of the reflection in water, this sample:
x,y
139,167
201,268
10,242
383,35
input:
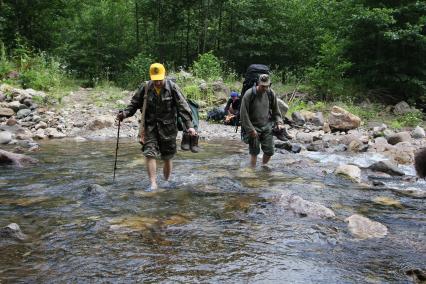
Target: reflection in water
x,y
219,223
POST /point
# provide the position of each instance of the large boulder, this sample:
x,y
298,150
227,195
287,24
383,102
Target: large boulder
x,y
342,120
364,228
401,108
349,171
283,107
18,160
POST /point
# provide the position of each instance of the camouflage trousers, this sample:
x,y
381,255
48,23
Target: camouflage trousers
x,y
160,140
264,141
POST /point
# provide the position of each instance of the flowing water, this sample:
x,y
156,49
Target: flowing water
x,y
220,222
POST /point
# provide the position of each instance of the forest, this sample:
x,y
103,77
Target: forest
x,y
339,48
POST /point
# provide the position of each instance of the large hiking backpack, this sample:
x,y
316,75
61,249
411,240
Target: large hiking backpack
x,y
252,76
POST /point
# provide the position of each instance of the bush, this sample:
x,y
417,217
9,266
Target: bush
x,y
5,64
41,72
207,67
137,72
409,119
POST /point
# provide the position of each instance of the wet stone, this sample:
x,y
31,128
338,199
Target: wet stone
x,y
12,231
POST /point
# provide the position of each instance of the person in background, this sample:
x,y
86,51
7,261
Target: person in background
x,y
420,163
232,109
164,100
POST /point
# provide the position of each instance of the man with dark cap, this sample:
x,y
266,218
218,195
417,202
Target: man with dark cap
x,y
164,100
259,112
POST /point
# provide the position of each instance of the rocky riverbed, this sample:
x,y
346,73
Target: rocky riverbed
x,y
24,123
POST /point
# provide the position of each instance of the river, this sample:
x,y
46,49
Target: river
x,y
219,223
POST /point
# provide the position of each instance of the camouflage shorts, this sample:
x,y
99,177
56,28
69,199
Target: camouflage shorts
x,y
265,140
160,142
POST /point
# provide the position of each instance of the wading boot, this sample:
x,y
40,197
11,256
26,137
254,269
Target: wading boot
x,y
186,141
194,144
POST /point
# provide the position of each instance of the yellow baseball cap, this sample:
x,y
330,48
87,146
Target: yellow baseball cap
x,y
157,72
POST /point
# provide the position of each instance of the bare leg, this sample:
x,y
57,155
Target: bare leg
x,y
253,160
151,165
265,159
167,169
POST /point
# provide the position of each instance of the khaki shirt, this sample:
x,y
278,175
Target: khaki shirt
x,y
255,110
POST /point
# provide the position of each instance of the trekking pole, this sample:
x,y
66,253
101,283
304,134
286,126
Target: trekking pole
x,y
116,150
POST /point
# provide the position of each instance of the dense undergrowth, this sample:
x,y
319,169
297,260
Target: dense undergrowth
x,y
26,68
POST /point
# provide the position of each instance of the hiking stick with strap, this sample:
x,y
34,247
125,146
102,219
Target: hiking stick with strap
x,y
142,124
116,151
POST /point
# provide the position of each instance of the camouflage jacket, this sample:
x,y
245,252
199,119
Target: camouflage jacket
x,y
161,108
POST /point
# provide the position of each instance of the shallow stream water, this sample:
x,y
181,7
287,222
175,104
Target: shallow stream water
x,y
220,222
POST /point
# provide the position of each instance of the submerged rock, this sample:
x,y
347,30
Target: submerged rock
x,y
95,190
18,160
418,276
12,231
386,167
304,208
410,191
364,228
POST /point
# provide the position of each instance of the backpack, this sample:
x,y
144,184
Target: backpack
x,y
195,115
252,76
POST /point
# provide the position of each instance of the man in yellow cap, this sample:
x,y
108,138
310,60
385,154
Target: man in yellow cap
x,y
164,100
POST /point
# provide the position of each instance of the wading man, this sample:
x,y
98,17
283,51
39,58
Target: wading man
x,y
164,101
259,113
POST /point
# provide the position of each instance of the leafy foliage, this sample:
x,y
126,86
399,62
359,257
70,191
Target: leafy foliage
x,y
207,67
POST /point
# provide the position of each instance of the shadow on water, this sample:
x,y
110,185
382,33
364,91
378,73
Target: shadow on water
x,y
220,221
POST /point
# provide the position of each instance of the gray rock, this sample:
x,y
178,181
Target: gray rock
x,y
418,133
399,137
14,105
350,171
101,122
286,145
386,167
304,208
53,133
298,118
11,121
410,191
12,231
95,190
6,112
17,160
5,137
342,120
283,106
364,228
357,146
402,108
23,113
296,148
2,97
318,119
